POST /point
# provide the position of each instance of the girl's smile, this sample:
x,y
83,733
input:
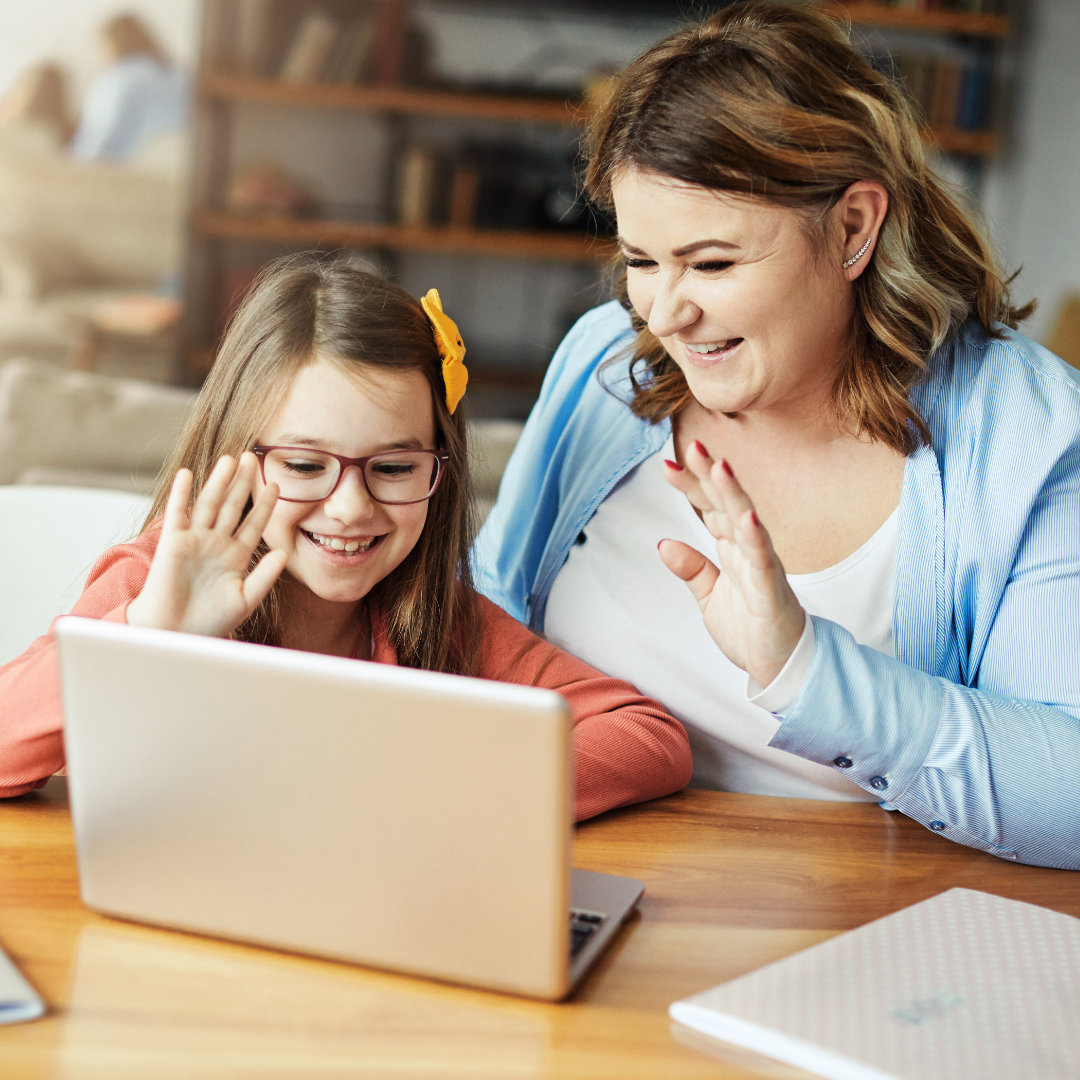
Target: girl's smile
x,y
339,545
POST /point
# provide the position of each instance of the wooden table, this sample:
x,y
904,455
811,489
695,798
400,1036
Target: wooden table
x,y
732,882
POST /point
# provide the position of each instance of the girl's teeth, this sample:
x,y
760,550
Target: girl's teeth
x,y
335,543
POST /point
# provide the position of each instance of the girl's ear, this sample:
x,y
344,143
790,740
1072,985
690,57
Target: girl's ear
x,y
861,211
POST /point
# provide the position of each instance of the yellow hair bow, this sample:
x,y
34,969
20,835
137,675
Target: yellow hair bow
x,y
451,348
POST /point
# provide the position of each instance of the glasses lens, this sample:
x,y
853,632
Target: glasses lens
x,y
301,474
403,476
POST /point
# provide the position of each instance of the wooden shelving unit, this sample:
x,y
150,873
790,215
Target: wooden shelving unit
x,y
408,101
984,30
968,24
495,243
403,100
226,87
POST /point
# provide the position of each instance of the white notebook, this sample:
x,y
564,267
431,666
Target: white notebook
x,y
963,986
18,1000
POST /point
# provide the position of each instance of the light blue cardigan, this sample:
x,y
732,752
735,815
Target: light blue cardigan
x,y
974,728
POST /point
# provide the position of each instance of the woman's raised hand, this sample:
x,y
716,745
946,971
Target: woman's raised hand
x,y
747,604
199,580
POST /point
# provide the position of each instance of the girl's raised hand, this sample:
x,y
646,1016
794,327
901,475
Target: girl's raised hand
x,y
747,604
199,580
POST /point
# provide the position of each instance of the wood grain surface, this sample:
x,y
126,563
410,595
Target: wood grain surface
x,y
732,882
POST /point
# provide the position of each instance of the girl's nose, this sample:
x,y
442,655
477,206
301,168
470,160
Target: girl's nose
x,y
350,500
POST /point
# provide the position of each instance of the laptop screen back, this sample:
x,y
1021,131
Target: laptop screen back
x,y
397,818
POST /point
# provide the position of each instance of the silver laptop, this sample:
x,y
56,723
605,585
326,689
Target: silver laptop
x,y
384,816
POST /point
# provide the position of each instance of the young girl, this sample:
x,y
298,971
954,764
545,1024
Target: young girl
x,y
321,501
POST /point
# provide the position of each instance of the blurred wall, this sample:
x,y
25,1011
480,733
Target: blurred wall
x,y
1030,192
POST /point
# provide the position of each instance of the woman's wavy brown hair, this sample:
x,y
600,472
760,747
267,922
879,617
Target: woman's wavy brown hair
x,y
772,101
312,307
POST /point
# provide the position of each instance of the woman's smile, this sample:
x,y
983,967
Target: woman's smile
x,y
711,352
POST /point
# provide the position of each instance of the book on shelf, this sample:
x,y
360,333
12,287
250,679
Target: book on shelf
x,y
941,108
353,59
464,191
255,38
963,986
417,186
390,40
952,92
915,72
311,49
973,106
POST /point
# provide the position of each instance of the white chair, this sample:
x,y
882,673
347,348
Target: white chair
x,y
50,537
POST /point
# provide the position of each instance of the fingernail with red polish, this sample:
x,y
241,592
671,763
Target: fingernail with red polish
x,y
755,519
700,448
726,467
673,465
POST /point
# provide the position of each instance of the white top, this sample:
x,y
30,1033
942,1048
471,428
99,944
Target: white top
x,y
617,606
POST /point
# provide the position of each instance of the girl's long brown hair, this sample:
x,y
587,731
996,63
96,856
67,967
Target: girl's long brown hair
x,y
310,307
771,100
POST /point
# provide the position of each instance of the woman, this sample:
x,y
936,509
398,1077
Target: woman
x,y
812,375
136,99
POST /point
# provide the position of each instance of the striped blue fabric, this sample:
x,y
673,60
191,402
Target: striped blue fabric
x,y
974,727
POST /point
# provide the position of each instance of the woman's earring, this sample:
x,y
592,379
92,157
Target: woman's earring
x,y
858,254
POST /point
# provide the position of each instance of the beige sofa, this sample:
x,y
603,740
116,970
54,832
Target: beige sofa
x,y
84,428
95,430
75,235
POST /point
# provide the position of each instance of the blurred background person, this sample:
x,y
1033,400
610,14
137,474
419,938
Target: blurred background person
x,y
38,102
139,96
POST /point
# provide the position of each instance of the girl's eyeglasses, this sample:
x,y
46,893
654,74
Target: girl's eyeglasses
x,y
396,477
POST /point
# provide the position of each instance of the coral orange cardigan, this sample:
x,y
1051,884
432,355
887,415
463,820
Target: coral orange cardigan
x,y
626,748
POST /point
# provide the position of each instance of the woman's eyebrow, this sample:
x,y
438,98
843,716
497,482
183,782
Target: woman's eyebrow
x,y
686,249
698,245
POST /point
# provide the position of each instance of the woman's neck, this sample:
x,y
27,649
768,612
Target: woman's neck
x,y
808,427
821,493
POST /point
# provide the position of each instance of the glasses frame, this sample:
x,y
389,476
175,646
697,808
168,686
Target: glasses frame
x,y
441,458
